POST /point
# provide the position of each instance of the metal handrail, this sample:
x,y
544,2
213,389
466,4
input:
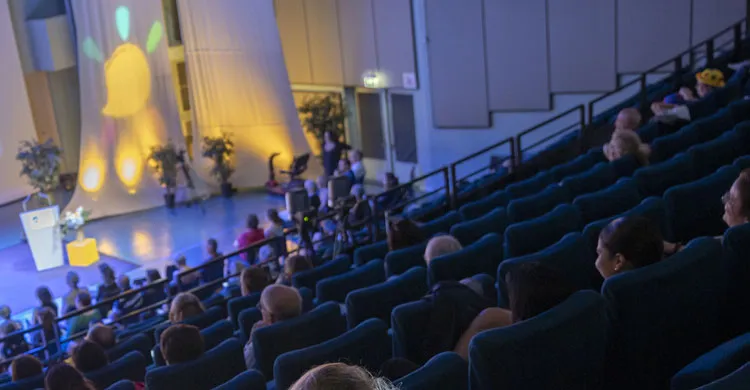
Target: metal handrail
x,y
581,123
455,180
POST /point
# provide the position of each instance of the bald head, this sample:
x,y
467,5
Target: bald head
x,y
628,119
280,303
102,335
440,246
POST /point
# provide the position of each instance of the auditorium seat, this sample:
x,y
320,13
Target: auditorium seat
x,y
532,206
236,305
712,155
625,166
613,200
367,345
215,367
322,323
369,252
248,380
599,176
310,277
212,336
122,385
579,164
482,256
493,221
445,371
140,343
736,245
572,256
202,321
652,208
664,315
737,380
479,208
562,348
714,364
654,179
401,260
132,367
335,288
441,225
546,230
33,383
247,319
408,324
530,186
377,301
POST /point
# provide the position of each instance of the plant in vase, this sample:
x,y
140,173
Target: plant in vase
x,y
74,221
220,151
323,112
40,163
165,159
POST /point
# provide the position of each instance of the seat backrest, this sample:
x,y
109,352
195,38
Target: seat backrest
x,y
482,256
369,252
132,367
212,336
335,288
408,322
483,206
401,260
441,225
546,230
236,305
122,385
736,245
562,348
599,176
572,256
493,221
656,329
310,277
625,165
530,186
215,367
654,179
139,342
714,154
734,381
652,208
714,365
322,323
532,206
248,380
377,301
208,318
580,164
613,200
445,371
247,319
36,382
367,346
694,209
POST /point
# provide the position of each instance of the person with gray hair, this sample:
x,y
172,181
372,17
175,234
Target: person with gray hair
x,y
440,246
277,303
340,376
360,214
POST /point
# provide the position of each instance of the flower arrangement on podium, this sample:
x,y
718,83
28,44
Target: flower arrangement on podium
x,y
74,221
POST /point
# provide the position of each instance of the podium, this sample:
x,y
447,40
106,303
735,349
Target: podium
x,y
42,230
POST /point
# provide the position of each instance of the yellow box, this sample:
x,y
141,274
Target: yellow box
x,y
82,253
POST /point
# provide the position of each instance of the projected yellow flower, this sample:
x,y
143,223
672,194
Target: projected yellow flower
x,y
127,74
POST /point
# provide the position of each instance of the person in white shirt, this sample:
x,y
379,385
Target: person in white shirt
x,y
358,168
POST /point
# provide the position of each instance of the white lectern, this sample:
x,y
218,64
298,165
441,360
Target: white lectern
x,y
43,234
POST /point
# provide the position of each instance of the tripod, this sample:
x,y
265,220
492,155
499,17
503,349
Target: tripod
x,y
193,197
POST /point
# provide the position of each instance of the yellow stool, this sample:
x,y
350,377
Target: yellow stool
x,y
82,253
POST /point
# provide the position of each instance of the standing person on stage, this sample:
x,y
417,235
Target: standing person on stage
x,y
249,237
332,149
46,300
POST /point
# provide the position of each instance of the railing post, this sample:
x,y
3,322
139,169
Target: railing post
x,y
591,112
709,52
515,147
677,82
451,199
582,122
644,92
737,52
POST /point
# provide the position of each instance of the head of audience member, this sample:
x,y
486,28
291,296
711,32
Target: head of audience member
x,y
5,313
279,303
212,247
102,335
328,227
628,243
181,343
358,192
66,377
124,283
273,217
184,306
181,261
25,366
624,143
295,264
707,81
628,119
254,280
89,356
344,166
403,233
44,296
340,376
253,222
72,280
328,137
108,274
440,246
355,155
322,182
46,318
534,288
737,201
311,188
83,300
390,181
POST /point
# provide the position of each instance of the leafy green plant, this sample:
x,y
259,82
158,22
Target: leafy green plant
x,y
220,150
320,113
164,159
40,163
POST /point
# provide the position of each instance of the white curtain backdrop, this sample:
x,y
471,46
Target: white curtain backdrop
x,y
239,84
127,103
15,113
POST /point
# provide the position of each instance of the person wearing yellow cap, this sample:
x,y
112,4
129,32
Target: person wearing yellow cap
x,y
673,108
706,81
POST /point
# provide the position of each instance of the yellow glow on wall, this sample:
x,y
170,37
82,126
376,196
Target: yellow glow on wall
x,y
93,168
128,79
129,162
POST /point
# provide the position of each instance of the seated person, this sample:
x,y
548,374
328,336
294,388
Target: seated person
x,y
6,316
14,344
108,289
277,303
533,288
184,306
49,332
361,212
293,265
24,367
345,169
89,356
323,240
673,108
403,233
214,270
358,167
624,143
69,300
440,246
81,322
181,344
187,279
254,280
628,119
322,183
340,376
129,304
102,335
312,193
46,300
249,237
628,243
65,377
156,293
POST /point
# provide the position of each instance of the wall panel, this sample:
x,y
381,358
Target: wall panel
x,y
290,16
517,81
357,39
325,45
645,39
582,45
458,77
712,16
394,39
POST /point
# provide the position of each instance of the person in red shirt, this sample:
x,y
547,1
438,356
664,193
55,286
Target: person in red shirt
x,y
252,235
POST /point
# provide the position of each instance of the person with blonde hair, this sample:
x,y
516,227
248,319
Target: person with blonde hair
x,y
440,246
184,306
623,143
340,376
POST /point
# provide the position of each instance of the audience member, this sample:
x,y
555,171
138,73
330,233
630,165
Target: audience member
x,y
361,212
340,376
46,300
184,306
673,107
182,274
345,169
81,322
737,201
13,344
293,265
624,143
628,119
322,183
50,330
213,270
129,304
332,150
65,377
24,367
89,356
277,224
69,300
249,237
312,194
358,167
181,344
6,316
277,303
254,280
102,335
440,246
154,294
108,288
628,243
403,233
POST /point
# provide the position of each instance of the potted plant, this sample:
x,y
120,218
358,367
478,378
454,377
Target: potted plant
x,y
220,150
320,113
74,221
164,159
40,163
